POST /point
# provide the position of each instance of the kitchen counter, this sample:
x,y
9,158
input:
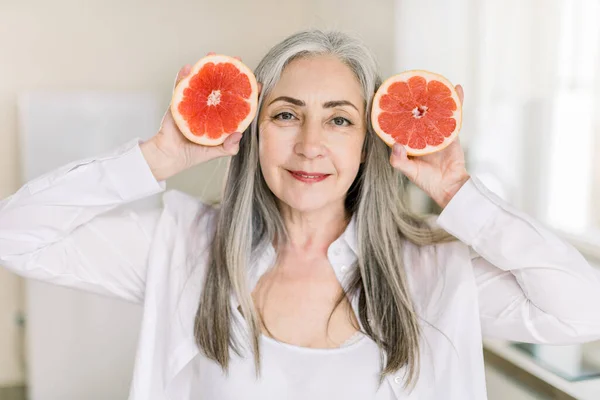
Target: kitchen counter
x,y
522,367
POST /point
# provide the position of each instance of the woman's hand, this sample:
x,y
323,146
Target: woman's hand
x,y
170,152
440,174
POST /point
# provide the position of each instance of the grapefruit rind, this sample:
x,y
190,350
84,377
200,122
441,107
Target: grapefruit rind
x,y
403,77
182,123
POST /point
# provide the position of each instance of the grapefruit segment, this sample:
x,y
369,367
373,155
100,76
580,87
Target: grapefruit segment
x,y
218,97
419,109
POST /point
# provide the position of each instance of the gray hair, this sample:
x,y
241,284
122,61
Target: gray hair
x,y
249,221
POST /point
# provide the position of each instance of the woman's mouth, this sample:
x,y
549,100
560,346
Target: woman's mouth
x,y
308,177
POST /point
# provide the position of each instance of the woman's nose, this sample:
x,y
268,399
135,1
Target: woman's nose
x,y
310,140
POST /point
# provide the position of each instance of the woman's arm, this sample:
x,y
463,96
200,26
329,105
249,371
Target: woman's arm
x,y
533,286
67,227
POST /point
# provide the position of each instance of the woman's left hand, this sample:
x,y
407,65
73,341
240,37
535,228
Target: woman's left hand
x,y
440,174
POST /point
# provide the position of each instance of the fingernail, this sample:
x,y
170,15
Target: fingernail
x,y
397,149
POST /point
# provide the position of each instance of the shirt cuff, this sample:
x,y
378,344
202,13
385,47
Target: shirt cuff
x,y
469,211
130,173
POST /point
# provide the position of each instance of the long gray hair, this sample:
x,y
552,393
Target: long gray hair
x,y
249,221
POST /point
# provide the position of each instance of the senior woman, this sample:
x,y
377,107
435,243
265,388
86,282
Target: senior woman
x,y
311,280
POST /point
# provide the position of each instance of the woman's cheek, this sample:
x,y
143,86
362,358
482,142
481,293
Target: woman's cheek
x,y
277,143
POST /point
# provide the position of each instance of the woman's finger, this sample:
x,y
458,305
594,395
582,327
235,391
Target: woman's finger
x,y
231,145
183,72
399,160
461,93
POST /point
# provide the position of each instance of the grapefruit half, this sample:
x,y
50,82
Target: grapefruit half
x,y
418,109
218,97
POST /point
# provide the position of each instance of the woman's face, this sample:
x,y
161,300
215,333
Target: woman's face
x,y
311,131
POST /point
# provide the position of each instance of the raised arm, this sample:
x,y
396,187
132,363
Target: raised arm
x,y
67,227
533,286
78,226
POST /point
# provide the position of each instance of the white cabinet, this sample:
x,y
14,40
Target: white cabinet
x,y
79,345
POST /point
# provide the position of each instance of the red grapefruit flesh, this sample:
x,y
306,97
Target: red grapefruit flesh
x,y
418,109
216,99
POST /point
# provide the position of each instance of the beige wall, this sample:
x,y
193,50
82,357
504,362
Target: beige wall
x,y
126,45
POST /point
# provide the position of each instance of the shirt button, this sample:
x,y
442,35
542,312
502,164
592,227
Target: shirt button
x,y
398,380
344,268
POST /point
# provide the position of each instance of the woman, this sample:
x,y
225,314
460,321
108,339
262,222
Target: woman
x,y
311,280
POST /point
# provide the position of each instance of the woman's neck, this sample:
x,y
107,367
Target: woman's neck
x,y
314,231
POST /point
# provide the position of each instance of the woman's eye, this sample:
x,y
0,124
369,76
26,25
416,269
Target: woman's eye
x,y
285,116
341,121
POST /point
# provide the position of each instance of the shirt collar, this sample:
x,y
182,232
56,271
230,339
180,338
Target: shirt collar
x,y
266,258
350,235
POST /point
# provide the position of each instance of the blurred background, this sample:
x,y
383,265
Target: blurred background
x,y
82,77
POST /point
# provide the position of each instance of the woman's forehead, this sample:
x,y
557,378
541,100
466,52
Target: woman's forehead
x,y
323,75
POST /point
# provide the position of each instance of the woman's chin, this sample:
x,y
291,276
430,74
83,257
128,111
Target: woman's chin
x,y
306,202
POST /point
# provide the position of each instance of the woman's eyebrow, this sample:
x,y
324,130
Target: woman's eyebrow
x,y
300,103
288,99
337,103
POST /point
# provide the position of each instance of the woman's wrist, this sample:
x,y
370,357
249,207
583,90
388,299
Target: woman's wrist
x,y
161,164
450,191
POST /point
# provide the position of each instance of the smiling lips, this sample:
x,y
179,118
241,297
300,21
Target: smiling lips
x,y
308,177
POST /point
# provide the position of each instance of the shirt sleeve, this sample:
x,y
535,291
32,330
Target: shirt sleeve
x,y
80,225
532,285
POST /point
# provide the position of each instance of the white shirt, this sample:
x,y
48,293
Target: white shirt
x,y
508,277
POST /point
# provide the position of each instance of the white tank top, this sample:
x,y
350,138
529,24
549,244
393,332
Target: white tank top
x,y
296,373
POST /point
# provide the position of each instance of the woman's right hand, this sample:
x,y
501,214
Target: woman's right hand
x,y
170,152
